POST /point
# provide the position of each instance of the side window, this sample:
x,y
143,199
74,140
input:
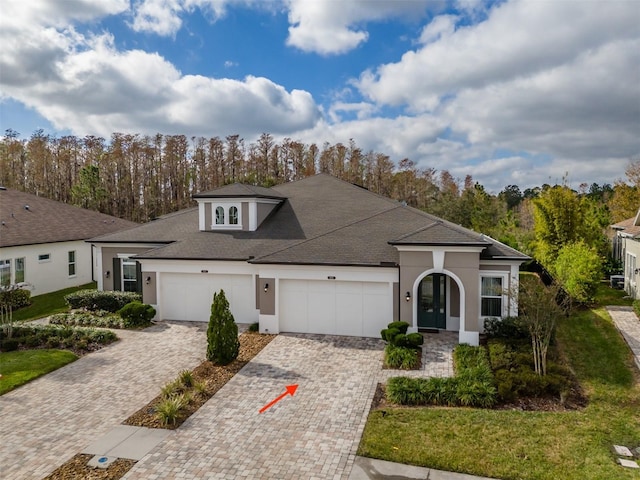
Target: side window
x,y
491,296
5,273
219,216
72,263
233,215
20,267
129,275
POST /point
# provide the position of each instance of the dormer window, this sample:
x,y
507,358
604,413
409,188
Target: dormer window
x,y
226,216
220,216
233,215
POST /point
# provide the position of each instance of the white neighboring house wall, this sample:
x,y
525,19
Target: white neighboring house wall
x,y
52,273
632,267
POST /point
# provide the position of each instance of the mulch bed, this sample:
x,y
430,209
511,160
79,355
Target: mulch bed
x,y
215,378
76,468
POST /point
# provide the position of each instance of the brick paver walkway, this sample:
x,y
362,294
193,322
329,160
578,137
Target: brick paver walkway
x,y
628,323
49,420
313,435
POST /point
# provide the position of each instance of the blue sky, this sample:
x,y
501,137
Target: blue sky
x,y
511,92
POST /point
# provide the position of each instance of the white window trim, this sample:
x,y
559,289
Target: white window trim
x,y
6,263
74,263
505,298
227,207
24,269
44,260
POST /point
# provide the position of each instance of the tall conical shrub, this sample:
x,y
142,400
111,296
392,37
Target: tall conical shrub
x,y
223,345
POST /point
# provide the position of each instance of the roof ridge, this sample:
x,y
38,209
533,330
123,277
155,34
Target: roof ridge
x,y
328,232
421,229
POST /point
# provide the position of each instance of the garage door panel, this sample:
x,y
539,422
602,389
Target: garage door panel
x,y
334,308
349,314
189,297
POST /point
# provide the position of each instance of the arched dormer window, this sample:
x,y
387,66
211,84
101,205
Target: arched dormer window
x,y
233,215
220,216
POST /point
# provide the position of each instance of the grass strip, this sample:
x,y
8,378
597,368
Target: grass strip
x,y
47,304
20,367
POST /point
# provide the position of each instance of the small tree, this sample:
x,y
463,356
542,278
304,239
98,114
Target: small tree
x,y
539,312
223,345
578,268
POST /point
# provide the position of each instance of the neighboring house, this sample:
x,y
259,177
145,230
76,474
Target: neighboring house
x,y
42,242
314,256
626,248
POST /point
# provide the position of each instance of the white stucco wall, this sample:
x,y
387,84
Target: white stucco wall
x,y
49,276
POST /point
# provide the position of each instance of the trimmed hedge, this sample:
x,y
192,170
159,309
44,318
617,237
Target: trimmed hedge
x,y
509,328
473,385
98,319
93,300
515,376
56,336
136,314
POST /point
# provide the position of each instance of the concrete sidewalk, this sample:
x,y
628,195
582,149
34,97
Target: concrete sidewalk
x,y
628,323
372,469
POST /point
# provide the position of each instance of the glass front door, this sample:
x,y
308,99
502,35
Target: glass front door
x,y
432,302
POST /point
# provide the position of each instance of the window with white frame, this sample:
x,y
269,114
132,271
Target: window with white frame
x,y
631,267
492,295
227,216
72,263
129,275
44,257
5,273
233,215
219,216
20,267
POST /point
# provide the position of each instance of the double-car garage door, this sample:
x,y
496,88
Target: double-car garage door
x,y
335,307
189,297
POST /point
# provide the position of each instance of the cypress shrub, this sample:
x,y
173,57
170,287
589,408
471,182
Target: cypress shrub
x,y
223,345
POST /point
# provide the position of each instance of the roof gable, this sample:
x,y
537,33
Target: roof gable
x,y
27,219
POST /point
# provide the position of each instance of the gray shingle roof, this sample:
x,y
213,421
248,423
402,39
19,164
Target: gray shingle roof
x,y
48,221
323,220
239,190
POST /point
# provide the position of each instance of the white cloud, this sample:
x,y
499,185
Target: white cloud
x,y
86,85
161,17
332,27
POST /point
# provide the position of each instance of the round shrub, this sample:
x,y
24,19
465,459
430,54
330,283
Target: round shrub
x,y
9,344
136,314
15,298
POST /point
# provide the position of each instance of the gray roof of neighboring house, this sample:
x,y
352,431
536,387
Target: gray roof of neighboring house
x,y
321,220
27,219
629,227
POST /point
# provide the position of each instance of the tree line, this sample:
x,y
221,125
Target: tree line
x,y
141,177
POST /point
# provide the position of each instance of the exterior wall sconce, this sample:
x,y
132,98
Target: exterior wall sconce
x,y
107,274
148,281
407,297
266,287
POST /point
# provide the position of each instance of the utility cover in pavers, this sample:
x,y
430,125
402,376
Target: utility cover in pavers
x,y
126,441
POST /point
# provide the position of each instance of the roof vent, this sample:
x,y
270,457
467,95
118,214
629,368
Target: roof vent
x,y
27,207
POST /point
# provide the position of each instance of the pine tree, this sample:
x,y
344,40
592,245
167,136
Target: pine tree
x,y
223,345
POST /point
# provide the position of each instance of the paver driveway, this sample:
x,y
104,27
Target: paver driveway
x,y
312,435
48,421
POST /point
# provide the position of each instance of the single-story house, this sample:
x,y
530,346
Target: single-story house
x,y
318,255
42,242
626,247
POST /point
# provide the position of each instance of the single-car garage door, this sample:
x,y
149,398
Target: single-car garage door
x,y
186,296
334,307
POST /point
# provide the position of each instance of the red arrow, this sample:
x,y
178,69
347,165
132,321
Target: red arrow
x,y
291,389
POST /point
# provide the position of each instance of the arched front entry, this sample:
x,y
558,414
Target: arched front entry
x,y
432,301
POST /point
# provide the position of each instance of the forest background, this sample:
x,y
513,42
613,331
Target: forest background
x,y
141,177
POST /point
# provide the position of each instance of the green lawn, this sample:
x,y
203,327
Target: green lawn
x,y
20,367
529,445
47,304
